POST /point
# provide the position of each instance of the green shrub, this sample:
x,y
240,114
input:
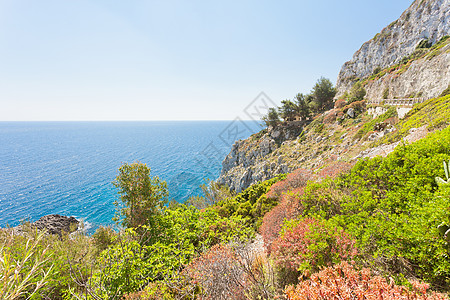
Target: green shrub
x,y
251,204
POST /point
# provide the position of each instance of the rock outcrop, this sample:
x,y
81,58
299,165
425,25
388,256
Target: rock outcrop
x,y
252,160
53,224
426,77
423,20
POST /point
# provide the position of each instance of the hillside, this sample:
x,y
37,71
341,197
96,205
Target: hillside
x,y
409,58
344,199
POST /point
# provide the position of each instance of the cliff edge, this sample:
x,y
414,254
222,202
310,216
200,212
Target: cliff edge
x,y
424,20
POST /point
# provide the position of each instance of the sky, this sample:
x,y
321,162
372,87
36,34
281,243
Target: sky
x,y
99,60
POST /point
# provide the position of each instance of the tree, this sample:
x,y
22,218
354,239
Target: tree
x,y
323,93
272,118
357,93
303,109
141,195
288,110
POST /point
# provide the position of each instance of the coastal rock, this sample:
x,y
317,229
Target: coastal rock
x,y
247,161
54,224
423,20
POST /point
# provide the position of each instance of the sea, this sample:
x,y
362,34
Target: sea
x,y
67,168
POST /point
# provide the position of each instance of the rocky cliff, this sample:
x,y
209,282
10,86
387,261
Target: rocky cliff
x,y
252,160
389,65
423,20
427,76
53,224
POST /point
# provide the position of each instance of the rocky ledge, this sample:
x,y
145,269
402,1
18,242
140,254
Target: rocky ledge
x,y
54,224
255,159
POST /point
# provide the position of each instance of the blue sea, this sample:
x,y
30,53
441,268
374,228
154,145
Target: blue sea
x,y
67,167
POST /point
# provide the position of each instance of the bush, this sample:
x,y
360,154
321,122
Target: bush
x,y
357,92
330,117
344,282
273,222
103,237
340,103
40,266
251,204
296,179
308,244
218,274
23,268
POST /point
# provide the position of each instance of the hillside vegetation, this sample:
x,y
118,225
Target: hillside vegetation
x,y
374,227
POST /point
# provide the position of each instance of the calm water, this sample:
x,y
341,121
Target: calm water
x,y
67,167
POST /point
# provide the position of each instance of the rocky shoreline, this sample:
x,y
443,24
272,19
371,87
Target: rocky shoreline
x,y
53,224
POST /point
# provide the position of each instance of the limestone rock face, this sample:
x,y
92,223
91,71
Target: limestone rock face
x,y
424,19
426,76
247,162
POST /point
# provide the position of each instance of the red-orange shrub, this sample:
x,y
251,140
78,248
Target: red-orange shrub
x,y
308,244
296,179
358,106
344,282
272,224
340,103
330,117
334,169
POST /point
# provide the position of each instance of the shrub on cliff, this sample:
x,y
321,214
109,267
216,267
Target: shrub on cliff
x,y
251,204
307,244
357,93
296,179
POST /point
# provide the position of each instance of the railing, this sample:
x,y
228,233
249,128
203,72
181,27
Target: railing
x,y
397,102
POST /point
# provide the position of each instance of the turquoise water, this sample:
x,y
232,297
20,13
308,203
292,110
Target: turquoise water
x,y
67,167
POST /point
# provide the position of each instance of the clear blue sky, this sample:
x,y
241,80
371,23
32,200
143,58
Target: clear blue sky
x,y
172,60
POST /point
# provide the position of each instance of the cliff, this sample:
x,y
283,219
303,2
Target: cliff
x,y
423,20
426,73
408,58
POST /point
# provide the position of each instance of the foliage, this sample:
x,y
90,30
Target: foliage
x,y
288,110
323,93
376,70
386,93
103,237
307,244
212,193
357,92
272,118
433,113
296,179
23,273
441,181
330,117
302,105
218,274
369,126
394,204
251,204
141,195
42,263
343,281
340,103
423,44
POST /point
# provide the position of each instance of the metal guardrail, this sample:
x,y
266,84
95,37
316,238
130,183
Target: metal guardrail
x,y
397,102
